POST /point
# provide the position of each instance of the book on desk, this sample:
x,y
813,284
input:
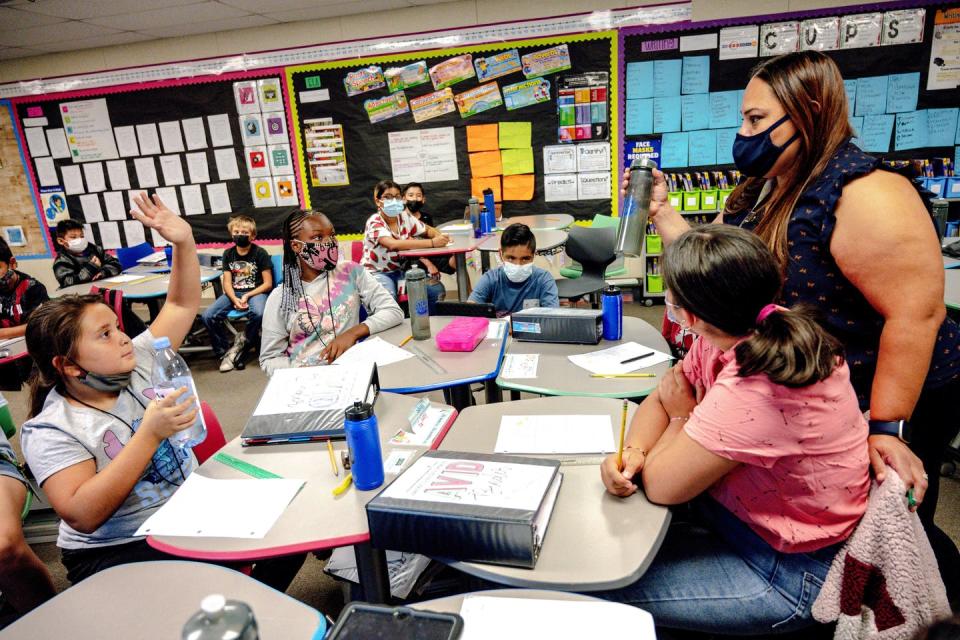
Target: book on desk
x,y
468,506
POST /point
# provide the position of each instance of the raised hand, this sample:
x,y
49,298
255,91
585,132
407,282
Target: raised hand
x,y
155,215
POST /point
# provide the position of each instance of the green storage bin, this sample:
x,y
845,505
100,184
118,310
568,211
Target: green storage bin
x,y
654,245
708,199
676,199
722,196
691,200
654,283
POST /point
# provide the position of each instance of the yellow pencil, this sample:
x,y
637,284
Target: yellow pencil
x,y
343,486
623,430
406,340
623,375
333,459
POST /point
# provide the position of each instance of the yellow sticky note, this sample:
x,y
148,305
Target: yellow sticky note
x,y
485,164
477,185
518,187
516,161
515,135
482,137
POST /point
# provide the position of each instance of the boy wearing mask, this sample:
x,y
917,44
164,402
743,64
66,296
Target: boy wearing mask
x,y
517,284
79,260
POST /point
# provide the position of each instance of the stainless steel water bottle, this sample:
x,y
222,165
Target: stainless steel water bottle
x,y
636,207
418,303
221,619
363,438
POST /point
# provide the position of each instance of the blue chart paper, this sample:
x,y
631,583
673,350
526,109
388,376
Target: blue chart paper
x,y
666,114
911,130
725,138
696,75
875,133
850,86
703,148
941,127
902,89
956,138
857,123
724,108
695,111
673,150
739,106
956,157
666,78
871,96
639,116
639,80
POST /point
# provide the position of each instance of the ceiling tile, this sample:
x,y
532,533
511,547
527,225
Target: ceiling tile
x,y
16,52
83,9
156,18
336,9
121,37
243,22
259,6
11,19
63,31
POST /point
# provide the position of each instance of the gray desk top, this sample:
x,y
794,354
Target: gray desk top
x,y
459,243
538,222
557,376
452,604
595,541
155,287
547,239
153,600
951,288
414,375
315,519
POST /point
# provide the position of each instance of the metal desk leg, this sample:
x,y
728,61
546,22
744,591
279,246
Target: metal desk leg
x,y
459,397
484,261
374,579
463,279
514,395
494,394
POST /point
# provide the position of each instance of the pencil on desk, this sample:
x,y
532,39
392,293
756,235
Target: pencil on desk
x,y
623,429
406,340
333,459
623,375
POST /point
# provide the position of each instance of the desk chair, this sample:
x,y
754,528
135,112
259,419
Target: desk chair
x,y
128,256
615,270
215,439
593,248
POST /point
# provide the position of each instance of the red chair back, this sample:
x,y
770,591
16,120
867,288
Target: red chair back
x,y
356,251
215,438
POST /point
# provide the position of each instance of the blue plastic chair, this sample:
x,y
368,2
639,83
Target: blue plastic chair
x,y
128,256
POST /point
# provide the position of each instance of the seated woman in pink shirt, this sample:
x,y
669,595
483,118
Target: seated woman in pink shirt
x,y
760,424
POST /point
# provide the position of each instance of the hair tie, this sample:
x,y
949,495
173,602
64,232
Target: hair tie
x,y
767,310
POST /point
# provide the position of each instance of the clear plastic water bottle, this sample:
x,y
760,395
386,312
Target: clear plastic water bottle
x,y
170,373
418,303
636,207
221,619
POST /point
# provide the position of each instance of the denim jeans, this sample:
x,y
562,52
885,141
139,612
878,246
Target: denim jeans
x,y
715,575
216,313
390,280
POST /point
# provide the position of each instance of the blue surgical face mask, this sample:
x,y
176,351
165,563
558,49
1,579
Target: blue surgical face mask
x,y
672,318
755,155
392,207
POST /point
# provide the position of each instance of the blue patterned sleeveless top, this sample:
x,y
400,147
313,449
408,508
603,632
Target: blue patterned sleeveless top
x,y
813,277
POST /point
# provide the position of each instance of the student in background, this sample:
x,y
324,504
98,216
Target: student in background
x,y
315,315
517,284
391,230
763,421
79,260
20,294
247,279
413,199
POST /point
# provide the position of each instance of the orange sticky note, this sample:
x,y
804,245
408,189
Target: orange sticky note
x,y
485,164
518,187
483,137
477,185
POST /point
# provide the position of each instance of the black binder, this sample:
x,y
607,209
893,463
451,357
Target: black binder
x,y
462,529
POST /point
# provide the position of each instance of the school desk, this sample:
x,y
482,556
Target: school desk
x,y
15,349
595,540
315,519
540,222
951,288
460,245
451,371
557,376
549,241
153,600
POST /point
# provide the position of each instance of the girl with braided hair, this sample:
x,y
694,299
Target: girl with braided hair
x,y
315,315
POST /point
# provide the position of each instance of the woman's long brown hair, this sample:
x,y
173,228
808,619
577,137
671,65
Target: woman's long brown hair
x,y
802,82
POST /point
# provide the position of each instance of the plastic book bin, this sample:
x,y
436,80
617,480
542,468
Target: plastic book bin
x,y
654,244
722,196
691,200
676,199
462,334
654,283
708,199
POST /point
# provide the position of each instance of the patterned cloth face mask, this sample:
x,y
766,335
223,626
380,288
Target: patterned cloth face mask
x,y
321,256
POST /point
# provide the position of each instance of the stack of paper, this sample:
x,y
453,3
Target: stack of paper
x,y
555,434
622,358
154,258
374,349
524,618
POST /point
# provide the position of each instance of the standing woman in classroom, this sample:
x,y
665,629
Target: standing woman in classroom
x,y
857,242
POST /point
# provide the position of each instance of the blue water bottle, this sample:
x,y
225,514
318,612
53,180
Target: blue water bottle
x,y
612,305
488,217
363,438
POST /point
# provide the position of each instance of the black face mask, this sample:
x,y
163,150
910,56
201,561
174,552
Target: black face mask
x,y
104,382
242,241
414,206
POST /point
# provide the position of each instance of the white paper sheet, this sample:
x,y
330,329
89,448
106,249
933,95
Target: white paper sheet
x,y
261,191
251,129
131,197
109,235
133,230
192,199
36,121
169,197
90,205
309,389
126,141
197,167
158,240
57,140
93,175
425,430
374,349
423,155
285,191
172,170
148,138
204,507
194,133
119,176
555,434
218,197
495,329
227,168
113,200
36,142
560,158
560,187
520,365
146,173
91,134
72,179
611,360
46,172
170,136
220,134
593,186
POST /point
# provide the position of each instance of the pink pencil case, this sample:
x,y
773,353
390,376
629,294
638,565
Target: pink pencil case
x,y
462,334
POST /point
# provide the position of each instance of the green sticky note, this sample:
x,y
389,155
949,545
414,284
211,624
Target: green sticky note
x,y
313,82
516,161
515,135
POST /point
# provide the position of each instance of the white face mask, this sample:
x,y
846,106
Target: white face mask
x,y
77,245
517,272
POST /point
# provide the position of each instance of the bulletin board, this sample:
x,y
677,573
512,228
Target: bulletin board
x,y
682,87
90,152
19,215
345,143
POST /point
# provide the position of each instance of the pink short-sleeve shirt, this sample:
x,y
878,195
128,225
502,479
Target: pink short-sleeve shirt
x,y
803,476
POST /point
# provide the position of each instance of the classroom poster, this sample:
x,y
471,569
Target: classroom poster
x,y
325,154
423,155
88,129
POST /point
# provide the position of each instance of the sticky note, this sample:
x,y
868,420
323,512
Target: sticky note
x,y
482,137
639,116
725,138
956,156
518,187
515,135
485,164
666,78
517,161
902,90
703,148
666,114
674,150
875,134
941,127
695,77
724,107
911,131
857,123
477,185
639,80
850,86
871,96
695,111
